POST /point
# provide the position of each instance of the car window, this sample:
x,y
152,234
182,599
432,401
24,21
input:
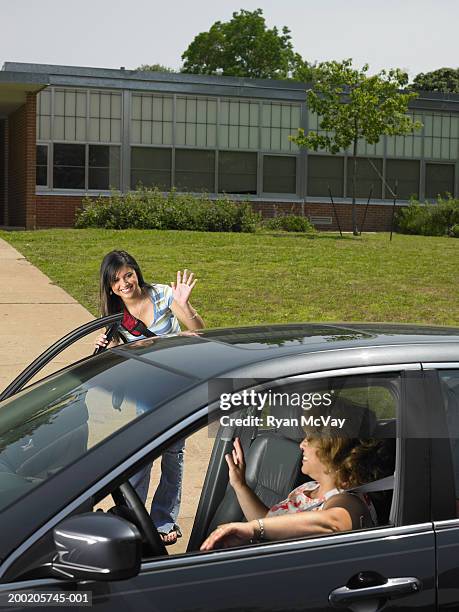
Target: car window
x,y
449,381
51,424
270,425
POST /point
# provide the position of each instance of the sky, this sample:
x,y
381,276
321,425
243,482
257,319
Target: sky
x,y
416,35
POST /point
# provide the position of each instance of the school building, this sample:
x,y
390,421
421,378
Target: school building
x,y
68,132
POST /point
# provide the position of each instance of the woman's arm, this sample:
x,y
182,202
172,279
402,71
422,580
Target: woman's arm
x,y
251,504
320,522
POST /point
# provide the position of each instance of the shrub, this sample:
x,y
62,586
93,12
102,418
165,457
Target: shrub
x,y
454,233
290,223
437,219
150,209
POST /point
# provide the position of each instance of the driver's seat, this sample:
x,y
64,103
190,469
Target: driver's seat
x,y
272,467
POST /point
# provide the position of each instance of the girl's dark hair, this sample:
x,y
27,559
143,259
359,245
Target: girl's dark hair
x,y
111,263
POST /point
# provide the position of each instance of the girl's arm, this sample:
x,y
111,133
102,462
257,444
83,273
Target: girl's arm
x,y
181,307
187,315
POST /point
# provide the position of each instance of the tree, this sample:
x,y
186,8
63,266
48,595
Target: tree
x,y
445,80
155,68
242,47
352,105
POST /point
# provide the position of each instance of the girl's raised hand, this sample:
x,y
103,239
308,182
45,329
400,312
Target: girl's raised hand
x,y
184,285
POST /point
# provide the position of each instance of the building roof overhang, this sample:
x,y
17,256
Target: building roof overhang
x,y
14,87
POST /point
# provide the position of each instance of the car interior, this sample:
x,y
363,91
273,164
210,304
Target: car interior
x,y
273,465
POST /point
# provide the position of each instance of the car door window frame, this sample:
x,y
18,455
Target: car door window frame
x,y
443,474
300,542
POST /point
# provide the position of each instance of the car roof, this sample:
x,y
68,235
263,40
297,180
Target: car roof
x,y
216,351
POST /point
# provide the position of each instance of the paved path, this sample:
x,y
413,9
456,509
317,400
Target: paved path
x,y
34,313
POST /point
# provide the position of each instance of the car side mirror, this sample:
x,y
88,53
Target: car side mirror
x,y
96,546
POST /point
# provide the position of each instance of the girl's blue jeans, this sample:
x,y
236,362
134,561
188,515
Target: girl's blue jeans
x,y
166,501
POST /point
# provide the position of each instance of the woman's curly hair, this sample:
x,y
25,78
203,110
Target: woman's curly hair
x,y
354,461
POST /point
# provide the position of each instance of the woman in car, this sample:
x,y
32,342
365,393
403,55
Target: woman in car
x,y
161,308
317,507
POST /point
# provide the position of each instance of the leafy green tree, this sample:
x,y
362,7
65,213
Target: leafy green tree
x,y
243,47
155,68
352,105
445,80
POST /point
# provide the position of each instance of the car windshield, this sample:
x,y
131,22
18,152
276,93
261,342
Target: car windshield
x,y
52,424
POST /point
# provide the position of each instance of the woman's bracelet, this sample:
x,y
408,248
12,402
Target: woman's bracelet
x,y
193,317
261,532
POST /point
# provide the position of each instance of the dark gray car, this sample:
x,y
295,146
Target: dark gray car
x,y
71,440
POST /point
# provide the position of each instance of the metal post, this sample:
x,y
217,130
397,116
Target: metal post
x,y
334,209
366,208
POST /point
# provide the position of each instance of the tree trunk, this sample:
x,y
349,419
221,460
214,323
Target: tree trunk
x,y
355,229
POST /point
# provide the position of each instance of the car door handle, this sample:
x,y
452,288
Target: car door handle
x,y
391,588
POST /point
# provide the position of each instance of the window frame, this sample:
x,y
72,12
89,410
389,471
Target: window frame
x,y
48,172
438,451
450,164
74,190
289,194
257,172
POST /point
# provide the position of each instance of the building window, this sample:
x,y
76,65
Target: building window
x,y
103,167
279,174
104,117
237,172
69,166
69,115
151,119
44,115
195,170
42,166
369,173
196,122
408,145
239,124
325,172
406,174
441,136
279,121
151,167
439,180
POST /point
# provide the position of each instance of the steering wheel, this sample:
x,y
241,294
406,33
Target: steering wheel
x,y
125,495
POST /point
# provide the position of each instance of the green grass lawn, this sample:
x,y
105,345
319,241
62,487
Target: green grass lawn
x,y
268,278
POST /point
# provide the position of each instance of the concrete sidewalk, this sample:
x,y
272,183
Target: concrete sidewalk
x,y
34,313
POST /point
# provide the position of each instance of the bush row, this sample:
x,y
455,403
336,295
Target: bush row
x,y
437,219
151,209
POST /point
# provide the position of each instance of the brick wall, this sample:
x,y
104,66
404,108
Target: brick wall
x,y
378,217
21,165
56,210
59,211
